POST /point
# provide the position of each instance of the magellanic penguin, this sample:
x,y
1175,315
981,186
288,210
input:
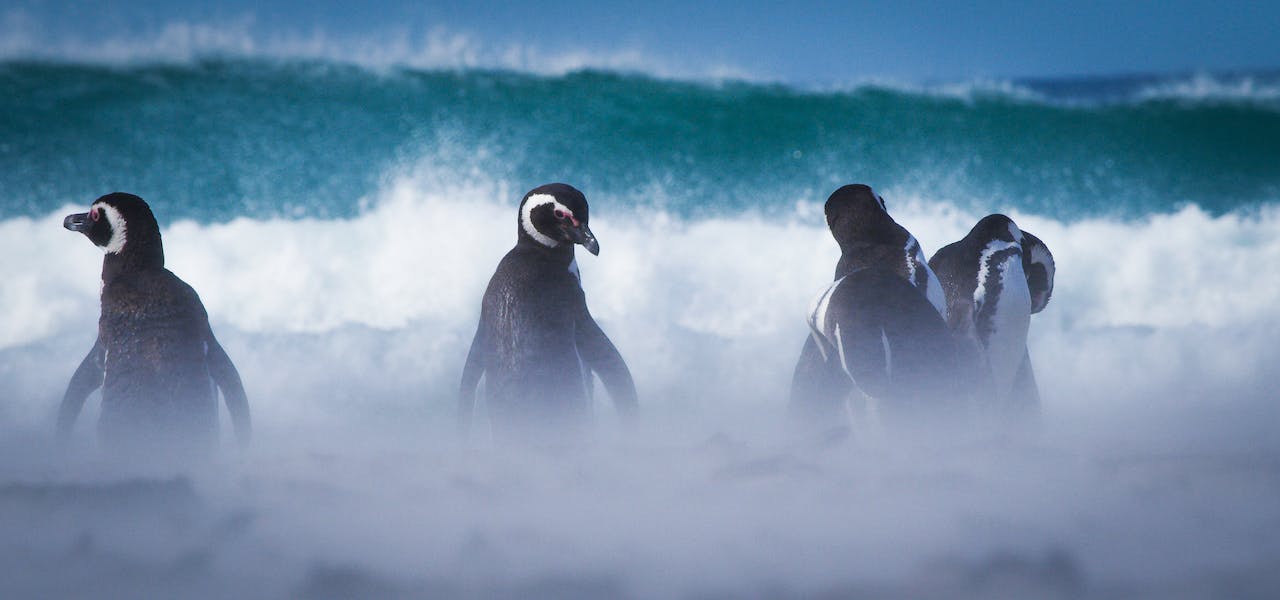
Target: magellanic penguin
x,y
155,357
995,278
536,344
878,329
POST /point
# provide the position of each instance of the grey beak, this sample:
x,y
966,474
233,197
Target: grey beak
x,y
78,222
582,235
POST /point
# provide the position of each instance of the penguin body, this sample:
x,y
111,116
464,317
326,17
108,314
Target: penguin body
x,y
536,344
994,279
878,329
887,339
156,358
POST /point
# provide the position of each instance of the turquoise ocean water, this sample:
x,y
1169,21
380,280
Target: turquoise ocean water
x,y
219,139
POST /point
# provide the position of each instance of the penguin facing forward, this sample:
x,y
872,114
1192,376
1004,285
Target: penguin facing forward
x,y
536,344
155,358
995,278
878,329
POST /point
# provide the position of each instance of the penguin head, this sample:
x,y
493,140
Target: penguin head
x,y
1037,263
554,215
120,224
995,228
856,213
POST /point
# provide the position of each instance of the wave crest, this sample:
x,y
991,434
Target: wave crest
x,y
435,48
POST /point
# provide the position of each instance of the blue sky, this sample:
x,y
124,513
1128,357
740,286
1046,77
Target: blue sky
x,y
789,41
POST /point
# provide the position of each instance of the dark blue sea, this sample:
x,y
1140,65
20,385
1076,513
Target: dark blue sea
x,y
340,222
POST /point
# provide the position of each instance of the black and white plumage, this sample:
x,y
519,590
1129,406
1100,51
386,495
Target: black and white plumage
x,y
1037,264
155,357
536,344
888,341
995,278
878,328
869,237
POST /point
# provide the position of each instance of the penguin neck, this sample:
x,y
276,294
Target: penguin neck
x,y
560,255
132,257
857,255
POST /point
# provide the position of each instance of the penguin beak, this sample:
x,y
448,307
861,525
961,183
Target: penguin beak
x,y
78,222
581,234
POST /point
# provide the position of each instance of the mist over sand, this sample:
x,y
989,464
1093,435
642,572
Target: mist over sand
x,y
1153,470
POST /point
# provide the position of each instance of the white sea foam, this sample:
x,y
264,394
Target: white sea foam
x,y
1207,87
422,253
1154,358
964,90
1261,90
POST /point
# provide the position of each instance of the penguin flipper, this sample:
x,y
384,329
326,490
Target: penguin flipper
x,y
88,377
225,375
818,389
472,370
600,354
864,353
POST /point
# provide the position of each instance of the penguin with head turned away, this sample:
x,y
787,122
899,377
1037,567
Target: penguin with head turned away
x,y
995,278
537,345
155,356
877,332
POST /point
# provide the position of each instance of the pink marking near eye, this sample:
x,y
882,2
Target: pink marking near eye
x,y
574,219
93,214
560,214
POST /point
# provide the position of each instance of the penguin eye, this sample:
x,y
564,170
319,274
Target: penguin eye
x,y
560,214
93,214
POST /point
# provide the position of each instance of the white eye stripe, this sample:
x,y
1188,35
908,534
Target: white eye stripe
x,y
118,229
526,217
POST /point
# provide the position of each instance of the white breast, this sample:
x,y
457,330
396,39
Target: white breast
x,y
1008,317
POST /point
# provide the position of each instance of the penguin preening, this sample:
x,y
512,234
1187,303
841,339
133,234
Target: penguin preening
x,y
155,357
536,344
995,278
878,329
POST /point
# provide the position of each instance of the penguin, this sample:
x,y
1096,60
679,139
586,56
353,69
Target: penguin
x,y
995,278
536,343
878,329
155,357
